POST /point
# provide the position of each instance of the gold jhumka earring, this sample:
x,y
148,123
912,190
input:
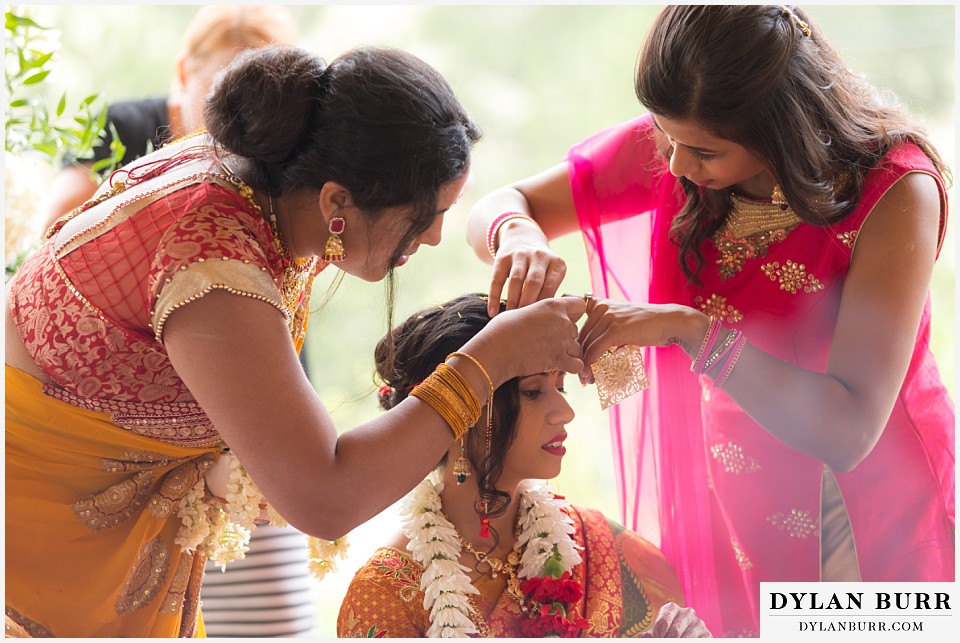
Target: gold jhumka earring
x,y
461,467
333,251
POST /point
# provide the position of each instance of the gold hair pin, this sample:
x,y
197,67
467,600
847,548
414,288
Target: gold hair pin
x,y
804,27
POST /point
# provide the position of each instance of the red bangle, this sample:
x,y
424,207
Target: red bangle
x,y
495,227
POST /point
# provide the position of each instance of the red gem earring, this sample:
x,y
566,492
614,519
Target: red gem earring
x,y
333,251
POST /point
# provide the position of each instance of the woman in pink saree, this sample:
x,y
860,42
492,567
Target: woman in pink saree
x,y
768,233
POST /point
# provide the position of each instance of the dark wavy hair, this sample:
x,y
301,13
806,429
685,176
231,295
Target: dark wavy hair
x,y
749,74
421,343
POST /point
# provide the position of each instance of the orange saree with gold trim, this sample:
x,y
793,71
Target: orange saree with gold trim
x,y
109,505
625,579
99,458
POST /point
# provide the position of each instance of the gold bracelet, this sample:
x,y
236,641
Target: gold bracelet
x,y
459,385
488,436
479,365
458,424
449,393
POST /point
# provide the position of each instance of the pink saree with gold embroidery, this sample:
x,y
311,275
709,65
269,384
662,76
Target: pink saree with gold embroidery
x,y
735,506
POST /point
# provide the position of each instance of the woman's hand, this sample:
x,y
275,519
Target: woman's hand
x,y
675,622
525,265
537,338
615,323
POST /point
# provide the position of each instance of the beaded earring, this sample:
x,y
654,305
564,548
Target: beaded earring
x,y
333,251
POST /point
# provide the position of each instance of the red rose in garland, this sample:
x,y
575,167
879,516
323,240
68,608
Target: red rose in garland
x,y
555,594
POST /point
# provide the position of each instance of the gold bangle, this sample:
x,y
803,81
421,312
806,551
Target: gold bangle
x,y
456,421
489,432
479,365
450,395
459,385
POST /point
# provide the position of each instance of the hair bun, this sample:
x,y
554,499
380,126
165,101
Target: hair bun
x,y
264,101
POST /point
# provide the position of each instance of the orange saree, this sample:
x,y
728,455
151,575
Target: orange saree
x,y
625,579
105,461
101,526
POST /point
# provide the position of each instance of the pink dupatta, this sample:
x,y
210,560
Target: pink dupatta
x,y
625,211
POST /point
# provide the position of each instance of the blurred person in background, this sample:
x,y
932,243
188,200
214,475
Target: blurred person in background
x,y
485,547
768,231
154,338
212,38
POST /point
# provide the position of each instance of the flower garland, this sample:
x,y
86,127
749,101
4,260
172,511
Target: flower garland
x,y
549,555
321,559
221,530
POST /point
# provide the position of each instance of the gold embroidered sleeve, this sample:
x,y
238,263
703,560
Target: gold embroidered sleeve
x,y
372,608
195,280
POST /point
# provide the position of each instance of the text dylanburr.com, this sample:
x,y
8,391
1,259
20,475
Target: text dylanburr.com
x,y
858,611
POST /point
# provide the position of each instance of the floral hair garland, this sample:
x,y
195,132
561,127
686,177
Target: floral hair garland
x,y
221,531
549,556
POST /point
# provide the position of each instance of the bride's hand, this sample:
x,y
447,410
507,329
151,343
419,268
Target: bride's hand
x,y
675,622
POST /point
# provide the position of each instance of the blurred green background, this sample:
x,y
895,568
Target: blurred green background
x,y
537,79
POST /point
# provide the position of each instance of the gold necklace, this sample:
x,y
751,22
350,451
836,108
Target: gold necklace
x,y
749,230
753,225
297,273
750,216
507,566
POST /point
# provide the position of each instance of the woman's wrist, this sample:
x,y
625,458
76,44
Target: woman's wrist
x,y
480,380
513,224
692,330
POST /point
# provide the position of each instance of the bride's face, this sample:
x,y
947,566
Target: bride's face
x,y
537,450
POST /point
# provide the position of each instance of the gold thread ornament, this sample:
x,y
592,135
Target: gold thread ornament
x,y
488,438
619,373
801,24
333,250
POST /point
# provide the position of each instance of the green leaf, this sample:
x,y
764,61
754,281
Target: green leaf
x,y
12,21
62,105
20,102
36,78
41,60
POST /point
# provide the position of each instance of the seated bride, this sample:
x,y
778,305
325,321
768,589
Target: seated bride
x,y
485,550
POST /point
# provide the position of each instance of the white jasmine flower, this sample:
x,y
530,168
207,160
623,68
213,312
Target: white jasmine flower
x,y
435,544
